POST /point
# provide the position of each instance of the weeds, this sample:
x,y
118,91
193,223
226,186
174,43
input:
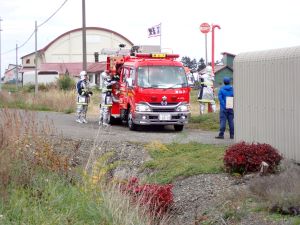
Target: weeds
x,y
26,147
34,188
280,193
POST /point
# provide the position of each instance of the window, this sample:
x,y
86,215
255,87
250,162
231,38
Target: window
x,y
27,61
161,77
132,75
125,74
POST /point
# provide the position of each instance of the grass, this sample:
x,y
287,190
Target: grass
x,y
173,161
38,184
51,200
52,100
207,121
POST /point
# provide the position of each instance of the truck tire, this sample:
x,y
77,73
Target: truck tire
x,y
113,120
130,123
178,127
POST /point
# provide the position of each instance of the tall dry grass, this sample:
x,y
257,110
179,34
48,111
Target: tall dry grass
x,y
26,146
51,100
56,100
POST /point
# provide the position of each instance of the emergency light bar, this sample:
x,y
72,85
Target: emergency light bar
x,y
156,55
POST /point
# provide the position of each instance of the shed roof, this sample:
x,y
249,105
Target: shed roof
x,y
280,53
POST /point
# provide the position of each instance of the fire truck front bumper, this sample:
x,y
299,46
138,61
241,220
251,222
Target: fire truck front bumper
x,y
161,118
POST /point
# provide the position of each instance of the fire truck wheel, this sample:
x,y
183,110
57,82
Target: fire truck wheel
x,y
131,125
178,127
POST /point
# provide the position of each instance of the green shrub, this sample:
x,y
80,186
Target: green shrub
x,y
65,83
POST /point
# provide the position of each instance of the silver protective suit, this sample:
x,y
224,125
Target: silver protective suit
x,y
206,91
83,97
106,98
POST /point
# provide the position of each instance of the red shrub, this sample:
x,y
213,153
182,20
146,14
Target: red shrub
x,y
158,198
243,158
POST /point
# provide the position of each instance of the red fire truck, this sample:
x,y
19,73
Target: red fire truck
x,y
152,90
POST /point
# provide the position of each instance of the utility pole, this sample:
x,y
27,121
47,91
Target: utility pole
x,y
0,56
17,67
35,61
83,37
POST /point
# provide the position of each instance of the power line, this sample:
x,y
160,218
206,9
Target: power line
x,y
27,40
53,14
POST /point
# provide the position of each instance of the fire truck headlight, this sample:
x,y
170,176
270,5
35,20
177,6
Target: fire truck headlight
x,y
142,108
183,108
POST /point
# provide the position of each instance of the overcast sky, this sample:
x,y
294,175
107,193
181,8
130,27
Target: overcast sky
x,y
245,25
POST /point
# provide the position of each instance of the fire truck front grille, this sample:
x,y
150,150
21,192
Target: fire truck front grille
x,y
160,108
163,110
156,117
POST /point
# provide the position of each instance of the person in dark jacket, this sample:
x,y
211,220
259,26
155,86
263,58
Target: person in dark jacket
x,y
226,108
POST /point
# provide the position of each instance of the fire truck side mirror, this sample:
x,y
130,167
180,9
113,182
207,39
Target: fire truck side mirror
x,y
129,82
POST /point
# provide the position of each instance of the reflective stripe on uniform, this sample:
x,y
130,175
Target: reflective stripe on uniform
x,y
206,101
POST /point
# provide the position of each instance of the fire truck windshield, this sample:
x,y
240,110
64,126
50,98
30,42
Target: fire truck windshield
x,y
161,77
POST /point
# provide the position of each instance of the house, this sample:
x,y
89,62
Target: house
x,y
10,74
64,53
225,70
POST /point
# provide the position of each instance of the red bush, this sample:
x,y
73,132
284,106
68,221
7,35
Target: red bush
x,y
243,158
158,198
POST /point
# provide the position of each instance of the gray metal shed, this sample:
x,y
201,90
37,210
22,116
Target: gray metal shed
x,y
267,99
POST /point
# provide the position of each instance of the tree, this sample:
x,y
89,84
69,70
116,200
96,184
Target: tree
x,y
201,65
187,62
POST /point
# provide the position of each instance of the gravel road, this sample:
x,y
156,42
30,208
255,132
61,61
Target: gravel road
x,y
70,129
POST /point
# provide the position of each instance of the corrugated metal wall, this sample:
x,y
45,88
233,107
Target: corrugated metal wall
x,y
267,99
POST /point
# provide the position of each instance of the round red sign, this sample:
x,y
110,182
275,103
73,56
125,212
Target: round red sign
x,y
204,28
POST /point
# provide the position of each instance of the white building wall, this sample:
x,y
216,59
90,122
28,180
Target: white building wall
x,y
267,93
29,78
69,47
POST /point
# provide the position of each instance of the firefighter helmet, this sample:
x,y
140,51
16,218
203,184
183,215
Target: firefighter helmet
x,y
105,75
82,74
208,69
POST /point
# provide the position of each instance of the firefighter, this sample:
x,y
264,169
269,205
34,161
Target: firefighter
x,y
83,97
106,97
206,91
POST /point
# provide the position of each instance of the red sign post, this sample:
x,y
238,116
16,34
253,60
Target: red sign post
x,y
213,46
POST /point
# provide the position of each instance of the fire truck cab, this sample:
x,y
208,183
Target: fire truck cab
x,y
152,90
